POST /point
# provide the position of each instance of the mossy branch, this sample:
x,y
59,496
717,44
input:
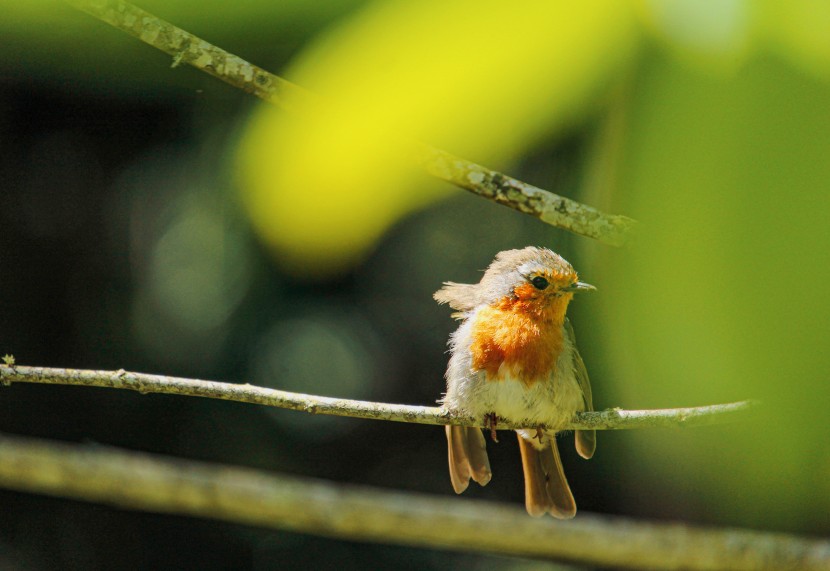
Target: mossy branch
x,y
151,483
613,419
502,189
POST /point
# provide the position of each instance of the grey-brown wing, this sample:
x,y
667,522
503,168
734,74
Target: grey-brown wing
x,y
585,440
461,297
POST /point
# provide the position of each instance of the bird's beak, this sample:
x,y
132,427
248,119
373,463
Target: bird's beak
x,y
580,286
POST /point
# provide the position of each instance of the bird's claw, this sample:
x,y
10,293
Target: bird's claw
x,y
492,421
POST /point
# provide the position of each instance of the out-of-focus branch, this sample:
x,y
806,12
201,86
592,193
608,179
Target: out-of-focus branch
x,y
189,49
613,419
151,483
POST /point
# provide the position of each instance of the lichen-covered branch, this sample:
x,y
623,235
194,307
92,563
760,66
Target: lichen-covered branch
x,y
551,208
151,483
189,49
613,419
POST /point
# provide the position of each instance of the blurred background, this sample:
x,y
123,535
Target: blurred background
x,y
160,221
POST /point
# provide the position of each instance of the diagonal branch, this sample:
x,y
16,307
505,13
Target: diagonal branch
x,y
186,48
151,483
612,419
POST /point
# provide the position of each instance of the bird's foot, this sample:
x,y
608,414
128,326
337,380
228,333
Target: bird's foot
x,y
491,421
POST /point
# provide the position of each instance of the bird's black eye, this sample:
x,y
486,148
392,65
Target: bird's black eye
x,y
539,282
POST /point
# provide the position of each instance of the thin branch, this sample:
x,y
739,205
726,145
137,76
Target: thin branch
x,y
187,48
613,419
150,483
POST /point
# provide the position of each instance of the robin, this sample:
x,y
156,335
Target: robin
x,y
514,358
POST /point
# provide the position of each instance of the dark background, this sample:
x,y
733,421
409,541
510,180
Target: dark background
x,y
123,245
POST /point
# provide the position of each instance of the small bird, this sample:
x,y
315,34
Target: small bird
x,y
514,358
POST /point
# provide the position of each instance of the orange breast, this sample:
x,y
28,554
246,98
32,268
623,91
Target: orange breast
x,y
521,334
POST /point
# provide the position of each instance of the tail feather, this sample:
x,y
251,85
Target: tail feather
x,y
537,500
467,457
586,443
564,505
546,488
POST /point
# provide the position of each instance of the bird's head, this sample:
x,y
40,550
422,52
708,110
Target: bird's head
x,y
532,280
535,278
